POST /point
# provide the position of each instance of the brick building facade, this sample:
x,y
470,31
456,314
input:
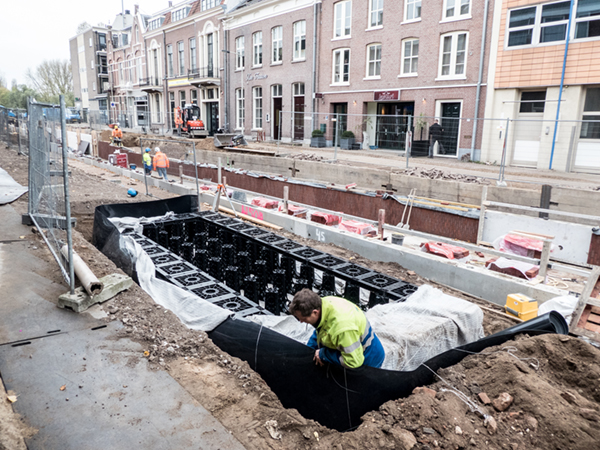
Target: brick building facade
x,y
381,62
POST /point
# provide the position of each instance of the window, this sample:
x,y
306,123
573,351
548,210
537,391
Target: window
x,y
155,23
138,63
101,42
180,14
170,59
277,38
374,61
342,18
410,56
276,90
300,40
453,55
181,58
412,10
257,93
91,42
341,66
182,99
457,9
298,89
257,49
193,63
239,107
591,112
239,53
376,12
538,24
587,19
125,39
208,4
532,102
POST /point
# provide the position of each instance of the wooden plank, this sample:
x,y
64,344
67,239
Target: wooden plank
x,y
464,205
545,236
582,304
592,327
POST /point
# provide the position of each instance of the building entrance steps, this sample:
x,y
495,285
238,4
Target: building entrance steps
x,y
111,398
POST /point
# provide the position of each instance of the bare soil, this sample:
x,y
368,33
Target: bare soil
x,y
553,379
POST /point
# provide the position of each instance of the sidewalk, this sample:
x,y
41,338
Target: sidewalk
x,y
80,384
394,160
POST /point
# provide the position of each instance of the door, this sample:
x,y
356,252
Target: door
x,y
340,113
298,118
450,124
392,124
212,117
277,106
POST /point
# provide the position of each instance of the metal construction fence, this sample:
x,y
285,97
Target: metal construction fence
x,y
49,207
14,128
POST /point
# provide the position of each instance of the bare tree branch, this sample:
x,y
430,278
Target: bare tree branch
x,y
51,79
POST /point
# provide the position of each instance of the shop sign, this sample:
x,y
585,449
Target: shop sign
x,y
382,96
256,76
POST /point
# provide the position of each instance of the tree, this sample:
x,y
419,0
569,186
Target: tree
x,y
16,97
52,79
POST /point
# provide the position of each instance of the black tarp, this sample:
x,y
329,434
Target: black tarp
x,y
332,395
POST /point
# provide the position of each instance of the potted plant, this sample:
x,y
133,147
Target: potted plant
x,y
317,139
347,140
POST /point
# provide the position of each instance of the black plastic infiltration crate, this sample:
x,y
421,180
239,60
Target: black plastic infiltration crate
x,y
264,266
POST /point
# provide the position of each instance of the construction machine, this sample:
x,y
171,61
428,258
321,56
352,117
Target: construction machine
x,y
188,122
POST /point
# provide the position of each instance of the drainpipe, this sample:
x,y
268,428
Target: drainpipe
x,y
226,78
562,82
165,82
478,95
314,68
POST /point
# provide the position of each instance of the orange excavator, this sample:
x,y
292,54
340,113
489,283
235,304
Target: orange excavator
x,y
188,122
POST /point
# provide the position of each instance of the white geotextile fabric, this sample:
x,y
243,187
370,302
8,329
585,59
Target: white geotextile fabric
x,y
428,323
194,312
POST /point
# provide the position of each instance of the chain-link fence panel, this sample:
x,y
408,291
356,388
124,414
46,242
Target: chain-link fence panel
x,y
49,207
14,128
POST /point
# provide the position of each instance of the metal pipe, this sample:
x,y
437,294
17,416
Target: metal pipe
x,y
89,281
65,158
196,167
562,83
481,58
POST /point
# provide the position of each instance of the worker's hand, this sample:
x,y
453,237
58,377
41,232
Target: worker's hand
x,y
317,359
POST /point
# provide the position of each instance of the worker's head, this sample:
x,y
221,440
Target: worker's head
x,y
157,149
306,307
116,127
147,150
436,121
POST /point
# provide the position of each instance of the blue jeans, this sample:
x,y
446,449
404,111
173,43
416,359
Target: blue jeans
x,y
162,171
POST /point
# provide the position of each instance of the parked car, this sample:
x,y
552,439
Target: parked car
x,y
73,116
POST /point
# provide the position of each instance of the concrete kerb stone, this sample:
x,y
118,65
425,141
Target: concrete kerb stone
x,y
80,300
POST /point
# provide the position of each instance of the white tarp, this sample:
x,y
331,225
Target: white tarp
x,y
10,190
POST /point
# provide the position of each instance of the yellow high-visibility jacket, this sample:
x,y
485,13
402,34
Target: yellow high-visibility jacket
x,y
344,328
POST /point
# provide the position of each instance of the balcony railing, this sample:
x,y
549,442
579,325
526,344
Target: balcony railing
x,y
151,81
203,73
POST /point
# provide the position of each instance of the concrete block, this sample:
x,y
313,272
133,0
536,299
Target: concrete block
x,y
80,300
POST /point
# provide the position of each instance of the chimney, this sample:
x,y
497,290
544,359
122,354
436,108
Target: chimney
x,y
127,12
136,9
170,4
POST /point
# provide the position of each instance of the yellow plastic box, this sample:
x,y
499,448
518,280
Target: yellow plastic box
x,y
521,306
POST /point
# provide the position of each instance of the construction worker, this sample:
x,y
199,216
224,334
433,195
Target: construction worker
x,y
342,333
147,159
178,120
117,136
160,163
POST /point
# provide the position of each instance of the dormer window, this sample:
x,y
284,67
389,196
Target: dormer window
x,y
155,23
180,14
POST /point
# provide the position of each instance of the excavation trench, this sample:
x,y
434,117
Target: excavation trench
x,y
249,271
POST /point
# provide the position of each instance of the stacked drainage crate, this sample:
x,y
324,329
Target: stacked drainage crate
x,y
256,267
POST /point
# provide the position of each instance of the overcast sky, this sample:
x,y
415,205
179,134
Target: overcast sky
x,y
32,31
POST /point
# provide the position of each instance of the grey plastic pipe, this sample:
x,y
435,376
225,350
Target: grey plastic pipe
x,y
88,280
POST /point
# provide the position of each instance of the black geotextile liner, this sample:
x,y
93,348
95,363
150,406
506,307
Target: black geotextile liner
x,y
106,236
334,397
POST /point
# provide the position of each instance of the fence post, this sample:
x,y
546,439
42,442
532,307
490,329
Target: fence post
x,y
407,146
196,169
63,132
501,181
481,215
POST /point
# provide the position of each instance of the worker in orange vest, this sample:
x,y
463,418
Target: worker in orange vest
x,y
178,120
160,163
117,136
